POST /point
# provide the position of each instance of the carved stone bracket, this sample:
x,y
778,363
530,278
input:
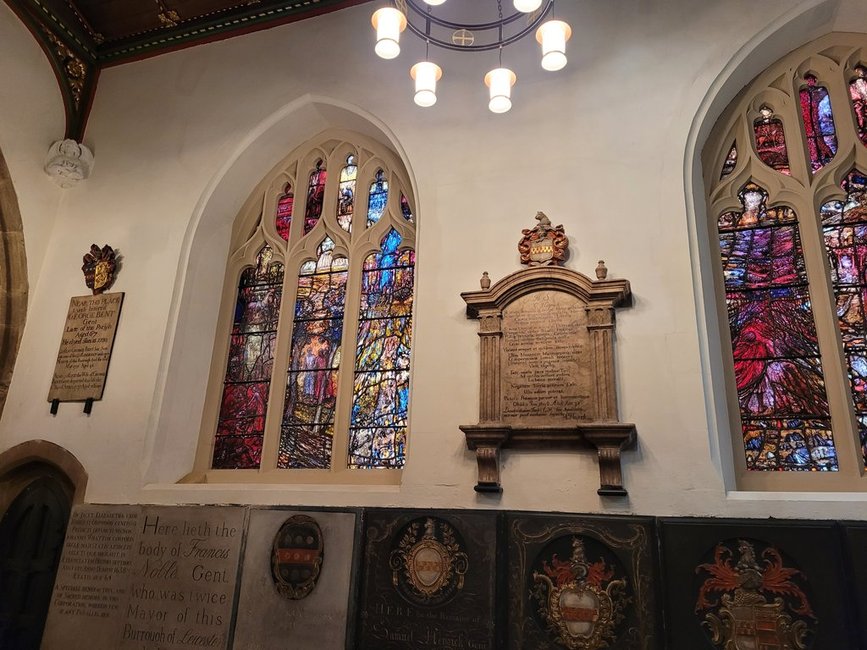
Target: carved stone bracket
x,y
547,370
607,439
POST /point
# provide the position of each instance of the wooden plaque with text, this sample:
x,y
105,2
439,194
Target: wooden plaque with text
x,y
547,370
85,349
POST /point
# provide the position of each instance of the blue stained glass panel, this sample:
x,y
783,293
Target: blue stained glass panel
x,y
378,198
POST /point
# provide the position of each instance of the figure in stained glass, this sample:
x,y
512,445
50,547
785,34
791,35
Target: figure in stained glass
x,y
311,387
844,226
778,371
315,196
858,93
346,194
241,424
377,433
405,210
378,198
818,123
731,161
283,219
771,141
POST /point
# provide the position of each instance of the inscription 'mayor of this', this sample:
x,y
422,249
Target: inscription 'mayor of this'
x,y
545,363
85,349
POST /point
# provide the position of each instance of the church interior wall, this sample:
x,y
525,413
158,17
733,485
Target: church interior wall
x,y
181,139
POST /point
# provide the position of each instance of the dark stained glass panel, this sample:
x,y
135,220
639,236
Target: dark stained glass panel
x,y
377,432
315,196
405,210
858,93
844,226
771,142
378,198
311,387
241,424
778,372
731,161
346,194
285,205
818,123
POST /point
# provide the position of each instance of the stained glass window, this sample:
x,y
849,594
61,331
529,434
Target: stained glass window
x,y
378,198
731,161
311,388
346,194
818,123
771,141
405,210
377,431
858,93
844,225
315,196
284,212
241,425
778,372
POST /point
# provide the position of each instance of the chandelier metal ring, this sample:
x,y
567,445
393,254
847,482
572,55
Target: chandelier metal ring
x,y
425,15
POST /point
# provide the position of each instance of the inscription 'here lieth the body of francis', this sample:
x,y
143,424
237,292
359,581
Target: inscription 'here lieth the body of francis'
x,y
546,376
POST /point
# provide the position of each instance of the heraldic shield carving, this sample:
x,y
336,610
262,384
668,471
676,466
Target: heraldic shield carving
x,y
582,600
296,558
752,598
429,562
543,244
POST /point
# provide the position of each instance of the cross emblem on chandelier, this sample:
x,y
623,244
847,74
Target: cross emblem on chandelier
x,y
463,37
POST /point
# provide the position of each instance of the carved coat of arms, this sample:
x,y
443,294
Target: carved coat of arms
x,y
99,268
296,557
749,603
581,602
544,244
429,563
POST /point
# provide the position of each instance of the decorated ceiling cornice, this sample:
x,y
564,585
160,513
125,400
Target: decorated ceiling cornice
x,y
80,37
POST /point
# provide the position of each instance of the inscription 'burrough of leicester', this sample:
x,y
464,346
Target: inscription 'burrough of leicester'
x,y
547,361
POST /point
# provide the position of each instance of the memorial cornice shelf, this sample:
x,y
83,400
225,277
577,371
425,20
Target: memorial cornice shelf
x,y
547,362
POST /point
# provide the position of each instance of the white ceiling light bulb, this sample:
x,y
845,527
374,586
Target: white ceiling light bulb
x,y
388,23
527,6
426,75
434,2
552,36
500,82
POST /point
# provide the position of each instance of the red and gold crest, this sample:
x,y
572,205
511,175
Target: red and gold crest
x,y
99,267
544,244
749,603
296,557
581,602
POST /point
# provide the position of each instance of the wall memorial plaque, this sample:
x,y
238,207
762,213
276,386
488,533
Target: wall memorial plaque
x,y
856,543
134,577
267,618
581,583
547,361
429,581
754,584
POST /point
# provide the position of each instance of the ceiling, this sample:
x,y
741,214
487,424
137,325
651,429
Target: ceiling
x,y
80,37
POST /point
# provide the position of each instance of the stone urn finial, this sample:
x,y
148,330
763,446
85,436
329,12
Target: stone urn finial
x,y
601,270
485,281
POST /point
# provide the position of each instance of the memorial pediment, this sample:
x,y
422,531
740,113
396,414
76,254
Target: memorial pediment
x,y
547,361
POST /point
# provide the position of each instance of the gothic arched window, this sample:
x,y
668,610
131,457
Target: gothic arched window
x,y
786,173
313,354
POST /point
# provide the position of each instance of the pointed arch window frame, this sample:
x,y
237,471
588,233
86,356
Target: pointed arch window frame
x,y
256,225
804,191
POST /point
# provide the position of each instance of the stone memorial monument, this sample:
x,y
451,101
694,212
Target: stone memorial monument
x,y
547,361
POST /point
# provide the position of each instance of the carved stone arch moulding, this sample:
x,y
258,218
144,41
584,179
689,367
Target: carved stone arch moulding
x,y
547,369
29,460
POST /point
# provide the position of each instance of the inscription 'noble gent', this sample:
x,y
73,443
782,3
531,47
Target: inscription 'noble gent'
x,y
85,348
545,365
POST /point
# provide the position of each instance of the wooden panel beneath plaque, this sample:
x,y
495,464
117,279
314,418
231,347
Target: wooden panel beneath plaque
x,y
268,620
754,584
581,578
545,364
856,547
85,348
135,577
429,580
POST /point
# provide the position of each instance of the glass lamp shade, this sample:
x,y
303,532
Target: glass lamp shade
x,y
388,23
527,6
500,82
552,36
434,2
426,75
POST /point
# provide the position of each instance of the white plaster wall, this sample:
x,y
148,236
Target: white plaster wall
x,y
600,147
31,118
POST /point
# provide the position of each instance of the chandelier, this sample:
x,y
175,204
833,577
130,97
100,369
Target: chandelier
x,y
499,30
